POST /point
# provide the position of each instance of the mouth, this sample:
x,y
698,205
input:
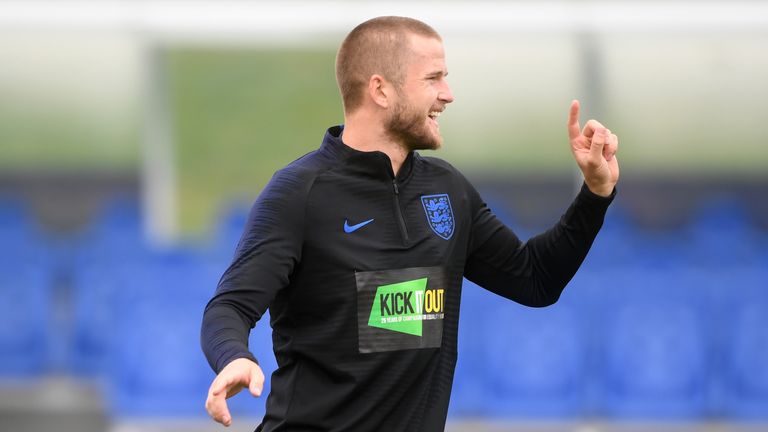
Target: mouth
x,y
433,115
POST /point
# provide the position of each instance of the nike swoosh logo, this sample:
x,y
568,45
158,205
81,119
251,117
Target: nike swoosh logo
x,y
352,228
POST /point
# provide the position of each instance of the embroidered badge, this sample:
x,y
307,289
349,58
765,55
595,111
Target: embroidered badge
x,y
439,214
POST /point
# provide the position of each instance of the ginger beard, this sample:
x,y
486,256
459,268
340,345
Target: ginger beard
x,y
414,128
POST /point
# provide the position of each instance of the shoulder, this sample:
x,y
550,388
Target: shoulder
x,y
283,200
439,166
296,178
462,189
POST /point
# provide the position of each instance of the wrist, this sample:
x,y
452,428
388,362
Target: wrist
x,y
602,190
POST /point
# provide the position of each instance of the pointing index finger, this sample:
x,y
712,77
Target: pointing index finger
x,y
573,120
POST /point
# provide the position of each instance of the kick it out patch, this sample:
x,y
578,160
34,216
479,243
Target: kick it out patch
x,y
400,309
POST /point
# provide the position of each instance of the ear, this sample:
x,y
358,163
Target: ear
x,y
380,91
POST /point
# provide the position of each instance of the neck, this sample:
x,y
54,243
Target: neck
x,y
364,133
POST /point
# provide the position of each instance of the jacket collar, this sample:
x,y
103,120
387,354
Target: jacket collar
x,y
374,163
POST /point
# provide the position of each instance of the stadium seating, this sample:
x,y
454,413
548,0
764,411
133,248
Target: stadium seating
x,y
533,360
657,325
743,343
156,367
25,316
101,259
655,350
94,308
722,234
29,273
606,250
468,396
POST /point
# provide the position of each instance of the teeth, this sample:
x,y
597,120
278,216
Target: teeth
x,y
434,114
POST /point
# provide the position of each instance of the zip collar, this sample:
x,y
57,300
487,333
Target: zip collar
x,y
374,164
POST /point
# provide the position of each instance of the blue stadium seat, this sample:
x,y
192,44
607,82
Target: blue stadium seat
x,y
157,368
534,360
230,224
468,395
616,242
25,312
23,239
655,357
506,215
120,213
226,235
743,317
114,236
94,312
108,254
722,233
14,215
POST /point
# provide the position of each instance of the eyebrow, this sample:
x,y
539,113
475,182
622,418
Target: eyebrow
x,y
436,74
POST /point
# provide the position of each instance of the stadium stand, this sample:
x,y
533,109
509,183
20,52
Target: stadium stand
x,y
657,325
743,342
534,360
155,364
25,314
654,346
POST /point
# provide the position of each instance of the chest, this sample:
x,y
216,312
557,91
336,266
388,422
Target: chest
x,y
358,225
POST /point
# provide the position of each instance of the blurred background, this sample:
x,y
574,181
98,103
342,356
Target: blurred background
x,y
135,135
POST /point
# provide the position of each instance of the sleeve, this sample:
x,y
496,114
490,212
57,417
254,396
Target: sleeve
x,y
536,272
266,255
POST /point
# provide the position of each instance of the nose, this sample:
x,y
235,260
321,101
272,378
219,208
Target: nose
x,y
445,94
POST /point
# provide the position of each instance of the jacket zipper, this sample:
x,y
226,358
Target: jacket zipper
x,y
399,213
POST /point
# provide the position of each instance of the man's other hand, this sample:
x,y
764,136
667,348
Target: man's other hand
x,y
235,376
594,149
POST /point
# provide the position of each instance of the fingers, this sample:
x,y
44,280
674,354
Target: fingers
x,y
591,127
573,120
611,145
257,381
598,143
216,405
601,142
221,384
234,377
573,123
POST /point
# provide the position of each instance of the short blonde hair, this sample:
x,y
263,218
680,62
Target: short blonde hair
x,y
377,46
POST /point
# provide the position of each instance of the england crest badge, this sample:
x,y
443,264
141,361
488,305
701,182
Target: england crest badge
x,y
439,214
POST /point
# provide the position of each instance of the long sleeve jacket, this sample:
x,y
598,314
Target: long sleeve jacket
x,y
362,273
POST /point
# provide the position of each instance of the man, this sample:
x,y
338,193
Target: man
x,y
358,250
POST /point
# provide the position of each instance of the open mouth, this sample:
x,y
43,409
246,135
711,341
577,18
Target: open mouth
x,y
434,115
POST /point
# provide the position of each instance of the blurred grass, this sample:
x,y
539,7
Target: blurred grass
x,y
242,114
684,106
47,136
69,103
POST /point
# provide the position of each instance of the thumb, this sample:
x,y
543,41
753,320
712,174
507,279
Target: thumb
x,y
598,142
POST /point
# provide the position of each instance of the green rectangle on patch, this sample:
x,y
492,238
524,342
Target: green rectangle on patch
x,y
400,309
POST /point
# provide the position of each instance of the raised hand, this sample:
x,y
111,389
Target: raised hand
x,y
594,149
235,376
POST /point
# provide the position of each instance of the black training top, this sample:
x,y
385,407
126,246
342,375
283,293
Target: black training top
x,y
362,273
